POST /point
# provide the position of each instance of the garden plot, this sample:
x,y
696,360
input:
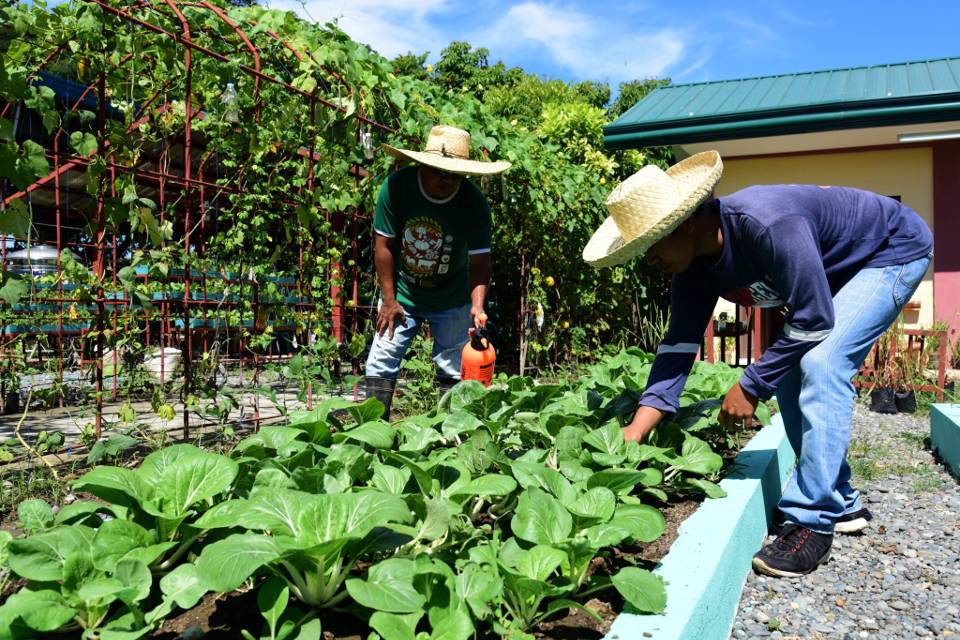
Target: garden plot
x,y
496,514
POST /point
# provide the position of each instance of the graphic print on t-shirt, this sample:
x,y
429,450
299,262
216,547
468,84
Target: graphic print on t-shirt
x,y
424,248
759,294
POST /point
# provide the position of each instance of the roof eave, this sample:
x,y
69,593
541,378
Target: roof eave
x,y
629,137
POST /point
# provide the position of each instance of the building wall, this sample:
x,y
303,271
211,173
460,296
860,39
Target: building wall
x,y
906,172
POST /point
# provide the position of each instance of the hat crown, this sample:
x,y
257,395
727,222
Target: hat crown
x,y
449,142
640,200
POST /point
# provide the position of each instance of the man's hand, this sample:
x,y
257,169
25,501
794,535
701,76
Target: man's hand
x,y
390,315
479,316
738,407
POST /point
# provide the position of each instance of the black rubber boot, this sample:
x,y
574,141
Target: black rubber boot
x,y
382,390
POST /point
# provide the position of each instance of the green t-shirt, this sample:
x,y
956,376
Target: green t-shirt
x,y
435,239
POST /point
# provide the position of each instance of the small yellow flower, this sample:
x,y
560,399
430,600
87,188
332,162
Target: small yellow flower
x,y
73,311
603,180
549,281
566,325
429,68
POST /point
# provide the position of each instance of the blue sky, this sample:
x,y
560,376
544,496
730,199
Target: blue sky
x,y
686,40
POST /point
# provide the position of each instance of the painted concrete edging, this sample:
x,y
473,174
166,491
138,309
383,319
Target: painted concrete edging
x,y
945,434
707,566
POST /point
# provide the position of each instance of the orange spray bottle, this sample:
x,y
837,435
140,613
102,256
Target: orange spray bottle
x,y
478,355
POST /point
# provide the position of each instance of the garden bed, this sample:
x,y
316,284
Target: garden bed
x,y
498,513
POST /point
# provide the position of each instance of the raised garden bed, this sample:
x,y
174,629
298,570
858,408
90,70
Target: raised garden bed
x,y
497,513
945,434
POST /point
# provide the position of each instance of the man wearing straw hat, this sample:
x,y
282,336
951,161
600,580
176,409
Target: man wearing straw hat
x,y
432,255
841,262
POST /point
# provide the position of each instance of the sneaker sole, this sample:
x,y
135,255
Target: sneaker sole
x,y
764,568
851,526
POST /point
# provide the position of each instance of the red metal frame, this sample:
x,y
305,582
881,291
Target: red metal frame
x,y
180,193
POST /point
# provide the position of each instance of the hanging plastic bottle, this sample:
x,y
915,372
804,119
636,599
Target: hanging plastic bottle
x,y
229,100
366,138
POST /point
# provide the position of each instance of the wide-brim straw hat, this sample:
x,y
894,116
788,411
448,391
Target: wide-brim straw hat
x,y
649,205
448,149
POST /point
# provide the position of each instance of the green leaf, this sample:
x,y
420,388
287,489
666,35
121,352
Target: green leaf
x,y
35,515
42,557
15,219
136,580
36,159
42,610
597,503
478,588
378,435
452,623
272,600
115,485
14,288
83,143
183,586
190,480
224,565
607,439
392,626
642,589
620,481
643,522
388,587
541,519
114,539
390,479
696,456
540,562
492,484
710,489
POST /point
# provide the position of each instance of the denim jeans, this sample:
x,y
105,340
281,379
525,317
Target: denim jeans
x,y
449,328
817,396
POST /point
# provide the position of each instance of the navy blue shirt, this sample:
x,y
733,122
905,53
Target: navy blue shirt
x,y
790,246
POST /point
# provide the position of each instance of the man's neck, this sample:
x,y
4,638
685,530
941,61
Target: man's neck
x,y
708,234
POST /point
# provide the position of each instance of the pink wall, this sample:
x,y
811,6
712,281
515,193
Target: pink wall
x,y
946,233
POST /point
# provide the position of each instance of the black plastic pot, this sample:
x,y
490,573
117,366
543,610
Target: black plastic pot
x,y
906,401
882,400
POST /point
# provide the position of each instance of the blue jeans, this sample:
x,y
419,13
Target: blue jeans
x,y
816,398
449,328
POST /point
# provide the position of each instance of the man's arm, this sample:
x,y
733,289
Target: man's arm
x,y
481,267
691,306
391,313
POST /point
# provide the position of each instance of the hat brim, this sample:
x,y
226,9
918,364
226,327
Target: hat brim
x,y
446,163
607,248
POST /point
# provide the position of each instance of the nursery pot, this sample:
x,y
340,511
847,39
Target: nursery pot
x,y
906,401
882,400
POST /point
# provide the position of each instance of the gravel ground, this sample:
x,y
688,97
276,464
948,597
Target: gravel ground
x,y
901,577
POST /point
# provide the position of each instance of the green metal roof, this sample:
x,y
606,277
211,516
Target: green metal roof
x,y
905,93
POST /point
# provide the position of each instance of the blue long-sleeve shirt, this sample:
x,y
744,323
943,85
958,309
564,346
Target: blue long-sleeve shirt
x,y
790,246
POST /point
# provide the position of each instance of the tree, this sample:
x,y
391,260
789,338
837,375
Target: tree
x,y
412,65
461,67
633,92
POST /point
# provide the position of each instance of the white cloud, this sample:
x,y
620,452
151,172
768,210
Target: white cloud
x,y
391,27
589,46
586,46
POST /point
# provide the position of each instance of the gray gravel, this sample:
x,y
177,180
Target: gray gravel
x,y
901,577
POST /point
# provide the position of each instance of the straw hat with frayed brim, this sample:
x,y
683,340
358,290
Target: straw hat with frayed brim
x,y
448,149
649,205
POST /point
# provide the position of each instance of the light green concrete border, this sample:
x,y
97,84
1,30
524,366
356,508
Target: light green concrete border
x,y
707,565
945,434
